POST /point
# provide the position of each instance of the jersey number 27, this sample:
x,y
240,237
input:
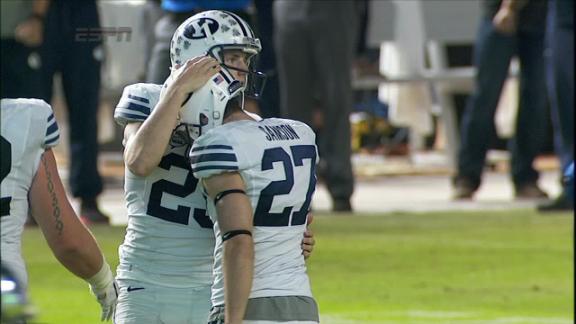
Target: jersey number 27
x,y
298,153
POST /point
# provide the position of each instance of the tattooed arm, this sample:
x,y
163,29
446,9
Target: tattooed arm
x,y
72,244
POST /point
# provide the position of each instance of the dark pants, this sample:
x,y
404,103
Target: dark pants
x,y
315,42
493,53
560,77
79,62
20,71
270,98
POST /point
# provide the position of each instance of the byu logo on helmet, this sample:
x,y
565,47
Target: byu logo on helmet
x,y
195,29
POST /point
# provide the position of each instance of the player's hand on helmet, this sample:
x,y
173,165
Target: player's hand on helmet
x,y
194,73
106,296
308,240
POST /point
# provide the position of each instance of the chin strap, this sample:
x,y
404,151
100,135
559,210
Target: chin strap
x,y
242,100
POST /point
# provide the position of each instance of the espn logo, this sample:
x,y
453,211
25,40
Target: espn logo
x,y
98,34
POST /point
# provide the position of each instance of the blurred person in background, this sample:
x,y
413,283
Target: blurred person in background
x,y
22,28
73,47
152,14
560,81
509,28
315,43
31,185
174,13
269,103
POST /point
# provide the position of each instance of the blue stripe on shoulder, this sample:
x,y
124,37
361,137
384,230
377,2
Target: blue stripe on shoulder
x,y
141,99
136,107
51,129
212,147
214,157
52,141
215,167
129,116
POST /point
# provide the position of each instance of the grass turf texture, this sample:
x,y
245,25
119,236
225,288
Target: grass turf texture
x,y
454,267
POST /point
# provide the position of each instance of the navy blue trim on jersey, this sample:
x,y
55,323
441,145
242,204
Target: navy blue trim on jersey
x,y
141,99
212,147
51,129
214,157
129,116
136,107
52,132
52,141
215,167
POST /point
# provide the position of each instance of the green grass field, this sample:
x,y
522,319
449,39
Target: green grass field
x,y
453,267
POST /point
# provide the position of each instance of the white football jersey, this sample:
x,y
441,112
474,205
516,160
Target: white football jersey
x,y
277,160
169,239
28,129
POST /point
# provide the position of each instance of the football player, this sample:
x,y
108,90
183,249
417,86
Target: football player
x,y
31,184
166,259
165,268
259,175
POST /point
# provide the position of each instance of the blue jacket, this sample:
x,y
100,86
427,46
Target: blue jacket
x,y
190,5
569,182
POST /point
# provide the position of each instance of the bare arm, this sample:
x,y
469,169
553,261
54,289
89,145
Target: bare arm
x,y
234,213
146,142
72,244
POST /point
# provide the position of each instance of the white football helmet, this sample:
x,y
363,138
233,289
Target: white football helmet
x,y
211,33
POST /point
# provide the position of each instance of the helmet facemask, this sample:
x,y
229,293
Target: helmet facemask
x,y
255,80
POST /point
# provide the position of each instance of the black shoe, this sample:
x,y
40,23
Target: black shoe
x,y
560,204
464,188
91,214
342,205
530,191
